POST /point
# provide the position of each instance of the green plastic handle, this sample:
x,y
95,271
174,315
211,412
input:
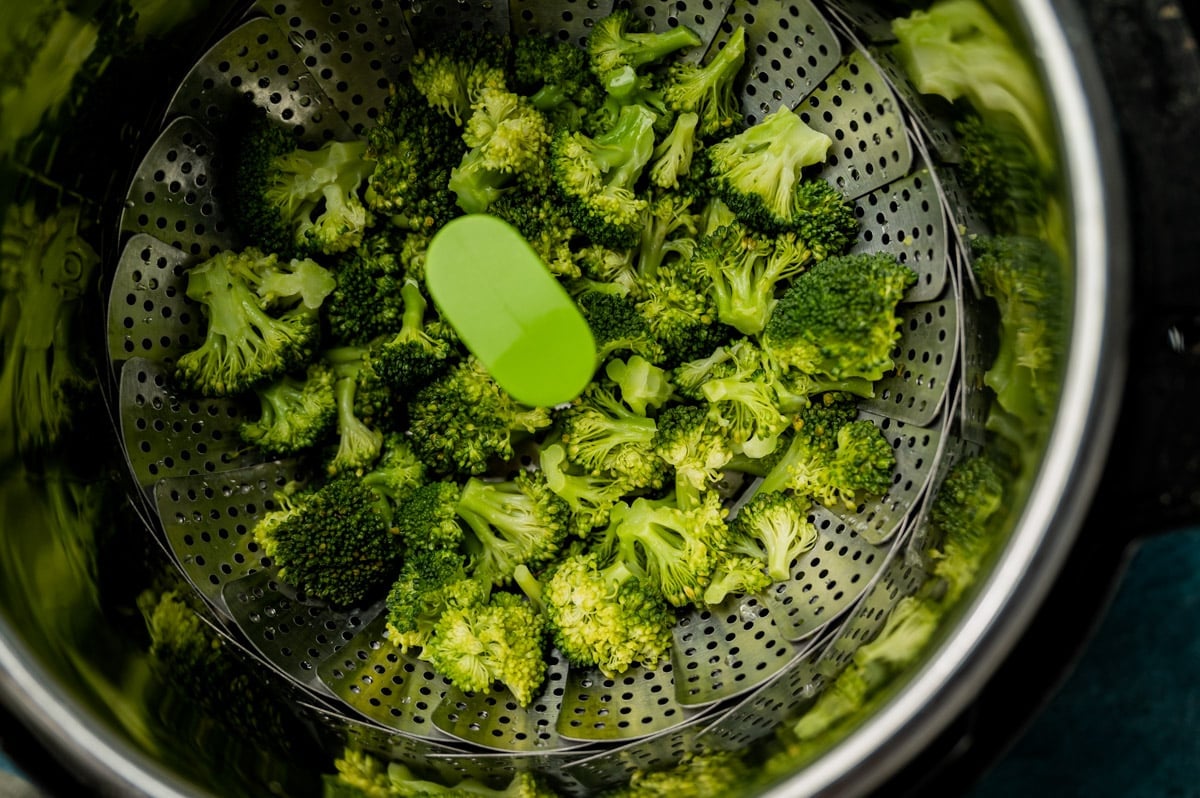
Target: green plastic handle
x,y
509,310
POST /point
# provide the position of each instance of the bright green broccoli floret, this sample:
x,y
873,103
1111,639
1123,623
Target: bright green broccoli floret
x,y
1001,174
692,441
589,496
837,321
295,412
642,385
758,172
517,522
333,542
1024,278
774,527
742,393
704,773
500,640
958,50
413,152
453,72
463,420
45,271
430,582
833,457
249,338
669,235
360,775
410,359
366,302
291,200
736,575
674,154
602,435
709,91
507,137
674,549
603,615
359,444
618,46
616,324
597,177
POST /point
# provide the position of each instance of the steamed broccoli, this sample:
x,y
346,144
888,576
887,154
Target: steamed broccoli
x,y
682,313
669,235
556,78
463,420
742,390
736,575
837,321
597,177
428,518
453,71
361,775
709,91
642,385
366,301
602,435
698,773
517,522
589,495
507,136
616,324
359,444
430,582
1001,174
295,412
295,201
415,355
773,527
968,500
603,615
250,338
618,46
692,441
674,154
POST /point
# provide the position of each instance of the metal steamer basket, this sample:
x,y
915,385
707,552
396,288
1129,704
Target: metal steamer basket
x,y
739,669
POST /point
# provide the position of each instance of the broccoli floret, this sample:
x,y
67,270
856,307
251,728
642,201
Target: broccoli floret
x,y
366,302
295,412
359,444
295,201
453,71
602,435
500,640
397,474
742,393
45,270
430,582
669,234
1024,278
838,319
736,575
507,137
590,496
556,78
1001,174
674,549
410,359
958,50
709,91
531,205
334,542
745,269
962,512
248,339
682,313
616,325
673,156
833,457
517,522
360,775
605,616
702,773
691,440
774,527
642,385
597,177
413,152
618,46
463,420
428,518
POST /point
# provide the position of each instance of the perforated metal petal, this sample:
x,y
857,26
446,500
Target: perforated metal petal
x,y
790,49
173,193
926,355
570,20
862,17
638,703
353,51
208,521
167,433
430,19
930,119
725,650
857,109
256,62
617,765
374,678
292,633
149,314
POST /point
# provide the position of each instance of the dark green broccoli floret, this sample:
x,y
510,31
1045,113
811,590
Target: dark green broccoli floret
x,y
616,324
250,338
774,527
709,91
532,205
45,271
428,518
693,442
603,615
838,319
556,78
507,137
295,412
833,457
415,355
463,420
413,152
674,549
1001,174
291,200
430,582
963,509
618,46
366,302
601,435
597,177
451,73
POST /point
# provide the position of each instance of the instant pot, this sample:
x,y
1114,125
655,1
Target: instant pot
x,y
83,518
